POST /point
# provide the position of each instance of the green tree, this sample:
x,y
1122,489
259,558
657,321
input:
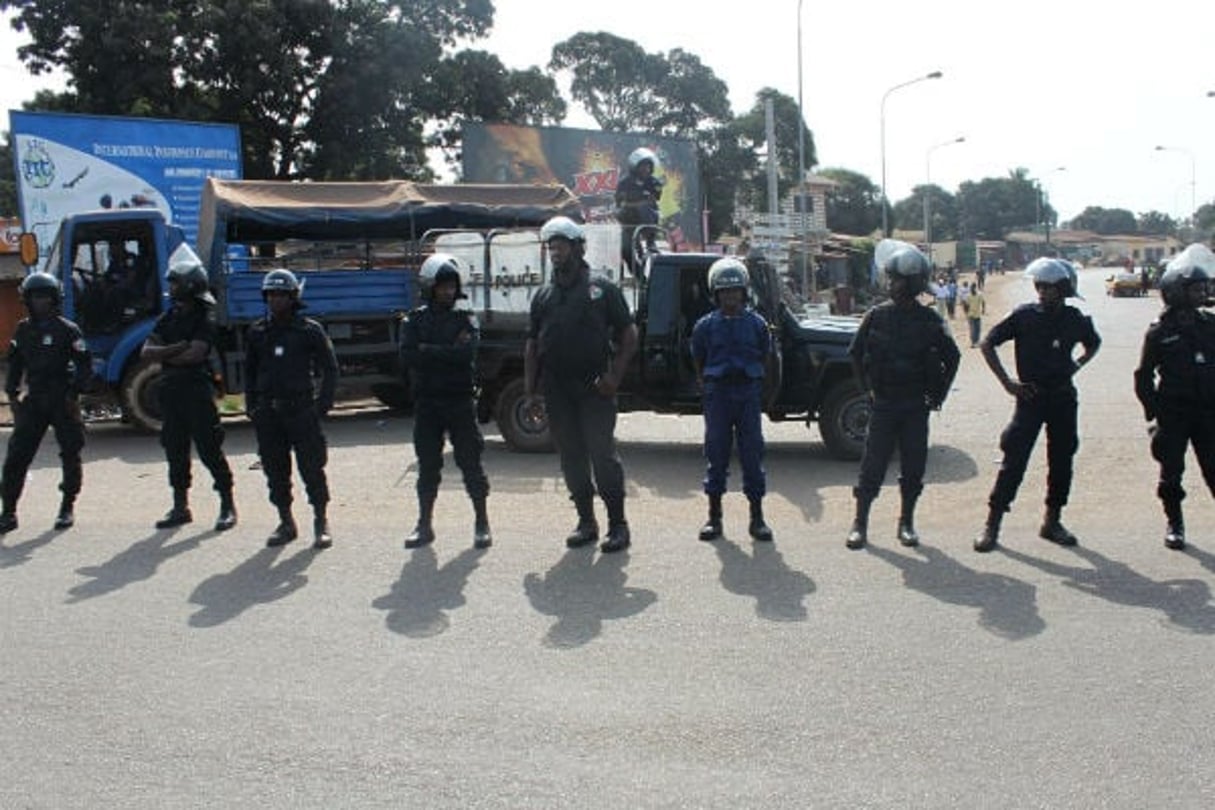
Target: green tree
x,y
1105,221
8,179
994,206
943,207
1204,220
752,127
1155,223
726,161
854,205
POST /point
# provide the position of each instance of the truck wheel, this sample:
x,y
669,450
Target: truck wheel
x,y
844,420
523,432
393,395
140,396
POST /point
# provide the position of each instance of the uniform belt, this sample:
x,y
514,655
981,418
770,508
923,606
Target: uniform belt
x,y
731,378
289,403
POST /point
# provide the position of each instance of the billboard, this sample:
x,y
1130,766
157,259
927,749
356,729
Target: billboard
x,y
588,162
70,163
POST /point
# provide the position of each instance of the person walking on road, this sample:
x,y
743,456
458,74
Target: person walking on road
x,y
49,355
581,339
1175,381
1045,335
181,341
730,347
439,350
285,350
904,356
976,307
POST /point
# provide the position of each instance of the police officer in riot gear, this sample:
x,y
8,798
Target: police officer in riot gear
x,y
580,341
283,352
1175,381
48,353
729,348
637,196
181,341
1046,334
439,350
904,356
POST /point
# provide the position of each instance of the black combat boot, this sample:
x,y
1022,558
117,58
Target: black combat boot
x,y
286,530
587,530
66,518
907,534
321,537
758,529
858,536
8,517
712,528
423,533
227,512
481,534
987,539
618,538
179,515
1053,530
1174,535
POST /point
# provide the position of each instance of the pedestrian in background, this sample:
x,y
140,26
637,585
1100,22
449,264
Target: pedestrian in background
x,y
581,339
439,351
1045,335
976,307
1175,381
48,354
285,351
730,347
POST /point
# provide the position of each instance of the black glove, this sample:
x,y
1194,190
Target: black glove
x,y
323,407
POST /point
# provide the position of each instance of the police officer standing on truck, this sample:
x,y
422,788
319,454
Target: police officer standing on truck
x,y
48,353
1175,381
904,356
581,339
637,196
1046,334
181,341
439,350
284,351
729,348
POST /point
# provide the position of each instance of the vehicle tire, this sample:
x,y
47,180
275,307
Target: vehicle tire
x,y
844,420
394,395
140,396
522,432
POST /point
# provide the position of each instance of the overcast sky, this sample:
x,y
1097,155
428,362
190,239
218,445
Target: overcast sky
x,y
1090,87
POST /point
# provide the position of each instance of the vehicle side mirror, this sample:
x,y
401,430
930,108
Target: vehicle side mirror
x,y
28,247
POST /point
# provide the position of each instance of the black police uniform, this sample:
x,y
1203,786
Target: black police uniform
x,y
50,355
280,360
908,360
1045,340
573,329
636,205
1181,352
187,402
439,349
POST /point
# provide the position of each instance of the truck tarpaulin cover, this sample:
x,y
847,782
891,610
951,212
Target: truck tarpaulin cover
x,y
240,212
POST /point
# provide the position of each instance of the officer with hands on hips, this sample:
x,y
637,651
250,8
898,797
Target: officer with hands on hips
x,y
581,339
181,342
1175,381
439,349
1045,334
48,353
904,356
284,350
729,348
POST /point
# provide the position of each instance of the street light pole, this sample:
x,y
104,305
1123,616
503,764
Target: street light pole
x,y
936,74
809,279
1193,172
928,192
1042,202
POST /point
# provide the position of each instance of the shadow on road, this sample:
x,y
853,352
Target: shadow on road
x,y
418,601
583,590
134,564
1008,607
18,553
779,591
1184,602
259,580
1205,558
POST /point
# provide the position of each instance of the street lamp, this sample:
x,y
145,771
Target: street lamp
x,y
1193,172
928,192
936,74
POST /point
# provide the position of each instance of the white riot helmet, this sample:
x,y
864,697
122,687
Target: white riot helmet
x,y
904,260
1194,265
437,269
1055,271
561,227
728,274
641,155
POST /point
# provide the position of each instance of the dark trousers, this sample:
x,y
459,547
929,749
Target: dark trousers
x,y
1057,411
456,418
895,423
189,415
298,429
976,330
583,425
31,421
1178,427
734,410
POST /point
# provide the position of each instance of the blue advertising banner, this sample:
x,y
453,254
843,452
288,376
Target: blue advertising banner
x,y
71,163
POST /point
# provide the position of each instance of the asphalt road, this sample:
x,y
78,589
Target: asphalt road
x,y
143,668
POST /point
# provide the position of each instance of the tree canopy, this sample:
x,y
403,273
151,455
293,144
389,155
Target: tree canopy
x,y
1105,220
854,205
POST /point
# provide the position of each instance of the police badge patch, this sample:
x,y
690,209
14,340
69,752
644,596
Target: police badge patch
x,y
596,292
